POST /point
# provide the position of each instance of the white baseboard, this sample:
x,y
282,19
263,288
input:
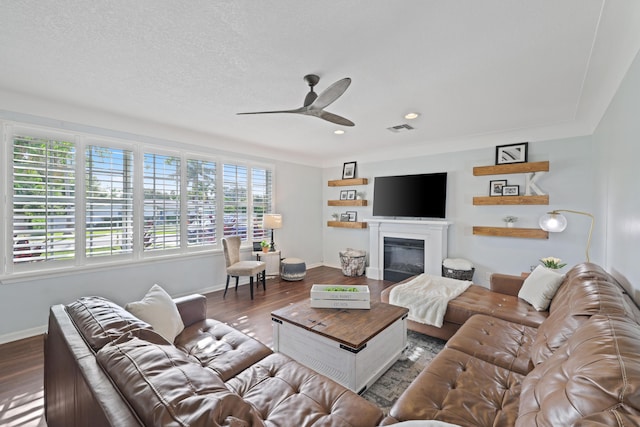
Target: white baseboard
x,y
25,333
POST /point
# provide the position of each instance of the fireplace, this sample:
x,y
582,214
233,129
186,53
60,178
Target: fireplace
x,y
430,235
402,258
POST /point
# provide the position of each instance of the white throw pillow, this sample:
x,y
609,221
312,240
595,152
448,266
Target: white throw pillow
x,y
158,309
539,288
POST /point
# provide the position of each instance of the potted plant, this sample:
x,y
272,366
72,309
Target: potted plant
x,y
510,220
552,263
265,246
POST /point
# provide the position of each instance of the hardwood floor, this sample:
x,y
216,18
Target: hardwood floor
x,y
21,362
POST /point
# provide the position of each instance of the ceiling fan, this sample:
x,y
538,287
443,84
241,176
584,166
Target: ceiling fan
x,y
314,104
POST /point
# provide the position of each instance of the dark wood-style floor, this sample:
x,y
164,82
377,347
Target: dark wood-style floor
x,y
21,362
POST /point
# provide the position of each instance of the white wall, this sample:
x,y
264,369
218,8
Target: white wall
x,y
570,185
617,143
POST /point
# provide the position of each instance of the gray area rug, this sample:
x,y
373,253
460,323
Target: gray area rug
x,y
421,349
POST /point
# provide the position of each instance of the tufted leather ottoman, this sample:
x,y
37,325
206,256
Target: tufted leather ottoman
x,y
293,269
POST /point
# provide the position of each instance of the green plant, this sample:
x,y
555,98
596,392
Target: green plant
x,y
553,263
341,289
264,244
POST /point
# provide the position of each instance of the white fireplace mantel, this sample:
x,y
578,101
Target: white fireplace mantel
x,y
432,232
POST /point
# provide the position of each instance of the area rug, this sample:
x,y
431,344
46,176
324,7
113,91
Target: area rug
x,y
421,349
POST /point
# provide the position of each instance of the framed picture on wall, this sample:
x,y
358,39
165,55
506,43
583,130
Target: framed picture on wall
x,y
349,170
351,195
495,187
344,217
343,195
511,190
353,216
512,153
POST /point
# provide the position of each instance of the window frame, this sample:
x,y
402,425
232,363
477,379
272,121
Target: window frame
x,y
138,147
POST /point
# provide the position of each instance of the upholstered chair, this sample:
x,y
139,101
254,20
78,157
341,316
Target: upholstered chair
x,y
237,268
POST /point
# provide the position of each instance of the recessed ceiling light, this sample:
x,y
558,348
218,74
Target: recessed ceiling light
x,y
338,131
411,116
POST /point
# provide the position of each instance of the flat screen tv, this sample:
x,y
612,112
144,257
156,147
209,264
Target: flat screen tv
x,y
416,196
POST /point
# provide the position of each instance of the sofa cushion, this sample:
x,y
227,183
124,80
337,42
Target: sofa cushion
x,y
480,300
220,347
165,387
540,286
461,389
101,321
587,290
282,390
496,341
595,371
158,309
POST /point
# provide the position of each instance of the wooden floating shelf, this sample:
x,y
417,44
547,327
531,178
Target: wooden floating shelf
x,y
347,224
347,203
525,233
347,182
511,200
511,168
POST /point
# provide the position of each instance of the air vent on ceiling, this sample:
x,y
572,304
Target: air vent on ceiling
x,y
400,128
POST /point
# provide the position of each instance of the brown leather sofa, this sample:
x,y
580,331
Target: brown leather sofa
x,y
500,301
105,367
579,366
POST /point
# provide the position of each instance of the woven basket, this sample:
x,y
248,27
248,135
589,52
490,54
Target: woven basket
x,y
458,274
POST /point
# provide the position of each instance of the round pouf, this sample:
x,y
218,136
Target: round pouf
x,y
292,269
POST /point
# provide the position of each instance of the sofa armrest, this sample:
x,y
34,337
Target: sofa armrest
x,y
506,284
192,308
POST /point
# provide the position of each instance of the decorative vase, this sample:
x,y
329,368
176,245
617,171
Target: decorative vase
x,y
509,224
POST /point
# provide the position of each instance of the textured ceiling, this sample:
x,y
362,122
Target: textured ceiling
x,y
479,72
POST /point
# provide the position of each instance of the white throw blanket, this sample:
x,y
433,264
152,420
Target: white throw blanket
x,y
427,297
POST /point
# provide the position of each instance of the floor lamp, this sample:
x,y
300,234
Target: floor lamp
x,y
555,222
272,221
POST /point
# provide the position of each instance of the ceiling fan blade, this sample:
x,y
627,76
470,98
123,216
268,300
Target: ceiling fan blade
x,y
300,110
311,96
331,93
334,118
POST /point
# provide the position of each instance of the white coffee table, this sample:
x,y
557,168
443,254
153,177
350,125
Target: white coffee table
x,y
352,347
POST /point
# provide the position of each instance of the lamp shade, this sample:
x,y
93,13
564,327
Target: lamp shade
x,y
553,222
271,221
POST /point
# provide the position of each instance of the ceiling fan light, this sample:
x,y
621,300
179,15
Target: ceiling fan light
x,y
338,132
411,116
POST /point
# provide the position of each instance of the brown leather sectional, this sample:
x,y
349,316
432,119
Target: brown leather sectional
x,y
105,367
576,365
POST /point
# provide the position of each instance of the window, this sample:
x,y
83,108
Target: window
x,y
109,201
261,187
161,202
77,199
43,199
235,185
201,203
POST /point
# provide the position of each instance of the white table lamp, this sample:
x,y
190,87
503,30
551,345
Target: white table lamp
x,y
272,221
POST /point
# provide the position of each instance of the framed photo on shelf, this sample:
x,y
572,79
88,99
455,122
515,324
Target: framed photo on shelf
x,y
349,170
495,187
512,153
511,190
353,216
343,195
351,195
344,217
